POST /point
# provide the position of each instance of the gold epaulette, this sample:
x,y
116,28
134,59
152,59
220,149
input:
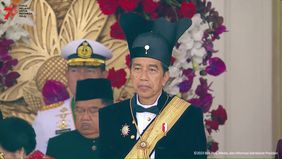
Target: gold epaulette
x,y
51,106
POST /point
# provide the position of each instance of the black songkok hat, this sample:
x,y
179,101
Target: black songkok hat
x,y
152,39
93,88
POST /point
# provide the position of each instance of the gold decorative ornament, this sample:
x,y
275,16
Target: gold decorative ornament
x,y
84,50
50,106
143,145
125,130
85,62
64,112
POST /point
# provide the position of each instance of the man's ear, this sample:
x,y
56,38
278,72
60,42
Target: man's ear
x,y
105,74
67,73
21,153
166,78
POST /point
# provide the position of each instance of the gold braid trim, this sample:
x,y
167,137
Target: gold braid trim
x,y
85,62
50,106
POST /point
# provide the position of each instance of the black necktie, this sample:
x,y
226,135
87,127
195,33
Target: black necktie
x,y
153,109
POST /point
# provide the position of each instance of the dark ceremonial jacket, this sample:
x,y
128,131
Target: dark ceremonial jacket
x,y
71,145
186,139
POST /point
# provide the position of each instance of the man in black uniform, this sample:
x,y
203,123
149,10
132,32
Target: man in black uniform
x,y
151,124
92,94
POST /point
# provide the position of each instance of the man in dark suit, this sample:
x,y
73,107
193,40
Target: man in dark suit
x,y
151,124
92,94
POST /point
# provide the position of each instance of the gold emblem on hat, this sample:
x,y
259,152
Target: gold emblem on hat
x,y
125,130
84,50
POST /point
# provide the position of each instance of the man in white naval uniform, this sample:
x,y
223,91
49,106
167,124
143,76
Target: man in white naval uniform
x,y
85,59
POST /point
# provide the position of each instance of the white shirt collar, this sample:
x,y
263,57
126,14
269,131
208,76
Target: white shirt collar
x,y
148,106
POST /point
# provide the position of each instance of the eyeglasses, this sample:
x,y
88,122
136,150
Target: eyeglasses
x,y
90,110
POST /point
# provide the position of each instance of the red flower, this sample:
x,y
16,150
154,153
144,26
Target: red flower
x,y
211,125
54,91
154,15
189,73
172,60
219,30
213,147
128,5
36,155
116,31
187,9
185,85
11,79
127,60
216,66
203,102
108,7
149,6
167,11
203,88
219,115
11,11
117,78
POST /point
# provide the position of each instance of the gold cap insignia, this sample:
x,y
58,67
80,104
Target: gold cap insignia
x,y
84,50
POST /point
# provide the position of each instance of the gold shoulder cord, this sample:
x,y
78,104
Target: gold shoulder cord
x,y
144,144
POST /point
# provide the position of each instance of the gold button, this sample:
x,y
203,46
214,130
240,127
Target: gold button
x,y
149,119
132,137
133,122
143,144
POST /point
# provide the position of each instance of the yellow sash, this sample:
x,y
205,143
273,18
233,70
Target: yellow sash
x,y
170,114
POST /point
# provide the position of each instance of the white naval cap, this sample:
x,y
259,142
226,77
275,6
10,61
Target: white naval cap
x,y
84,52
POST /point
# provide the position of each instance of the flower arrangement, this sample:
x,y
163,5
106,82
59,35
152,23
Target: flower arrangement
x,y
38,155
193,56
12,19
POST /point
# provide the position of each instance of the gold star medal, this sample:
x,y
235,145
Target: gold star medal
x,y
125,130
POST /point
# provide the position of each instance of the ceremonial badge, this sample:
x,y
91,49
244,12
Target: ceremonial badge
x,y
143,145
164,128
63,123
84,50
125,130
